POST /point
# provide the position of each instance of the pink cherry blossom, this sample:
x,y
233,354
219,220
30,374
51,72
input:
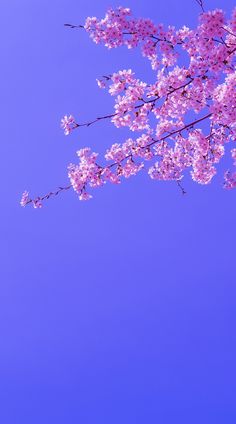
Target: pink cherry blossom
x,y
24,198
85,196
230,180
101,83
233,153
194,83
37,203
68,123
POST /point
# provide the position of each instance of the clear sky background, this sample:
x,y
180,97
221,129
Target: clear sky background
x,y
120,309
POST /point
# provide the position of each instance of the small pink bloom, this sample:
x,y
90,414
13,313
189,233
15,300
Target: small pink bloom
x,y
101,83
68,123
37,204
229,180
24,199
85,196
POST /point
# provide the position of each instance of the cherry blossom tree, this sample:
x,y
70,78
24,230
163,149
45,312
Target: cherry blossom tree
x,y
174,144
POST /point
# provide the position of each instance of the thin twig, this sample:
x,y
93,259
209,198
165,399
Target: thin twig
x,y
200,3
152,101
74,26
181,187
191,124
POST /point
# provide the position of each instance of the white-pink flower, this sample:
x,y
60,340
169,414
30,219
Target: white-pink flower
x,y
25,198
67,124
37,203
101,83
85,196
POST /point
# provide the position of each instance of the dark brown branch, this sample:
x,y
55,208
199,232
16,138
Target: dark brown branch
x,y
200,3
74,26
99,118
191,124
229,32
181,187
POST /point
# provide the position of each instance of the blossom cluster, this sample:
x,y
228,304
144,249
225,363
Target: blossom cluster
x,y
68,124
168,113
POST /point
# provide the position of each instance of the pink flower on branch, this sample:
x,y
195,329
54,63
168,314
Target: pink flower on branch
x,y
101,83
233,153
230,180
204,90
24,199
68,124
37,204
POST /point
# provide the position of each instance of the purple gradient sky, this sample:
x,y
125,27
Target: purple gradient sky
x,y
121,309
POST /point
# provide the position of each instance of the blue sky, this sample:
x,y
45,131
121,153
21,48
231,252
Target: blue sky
x,y
121,309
